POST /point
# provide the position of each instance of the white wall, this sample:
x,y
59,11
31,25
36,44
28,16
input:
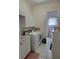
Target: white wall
x,y
25,9
40,13
38,16
56,45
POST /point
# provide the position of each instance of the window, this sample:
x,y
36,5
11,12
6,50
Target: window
x,y
52,21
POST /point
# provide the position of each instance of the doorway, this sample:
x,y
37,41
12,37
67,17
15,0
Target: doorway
x,y
51,24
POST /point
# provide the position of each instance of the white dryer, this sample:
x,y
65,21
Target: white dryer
x,y
35,40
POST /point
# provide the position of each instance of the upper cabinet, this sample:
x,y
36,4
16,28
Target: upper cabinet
x,y
21,21
30,21
26,20
25,10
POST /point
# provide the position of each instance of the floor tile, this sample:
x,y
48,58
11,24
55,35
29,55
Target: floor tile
x,y
44,50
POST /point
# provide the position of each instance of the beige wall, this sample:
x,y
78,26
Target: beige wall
x,y
25,9
40,12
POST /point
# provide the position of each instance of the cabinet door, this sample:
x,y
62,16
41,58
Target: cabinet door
x,y
23,48
28,45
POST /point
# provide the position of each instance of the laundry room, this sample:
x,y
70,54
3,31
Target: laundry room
x,y
39,29
38,22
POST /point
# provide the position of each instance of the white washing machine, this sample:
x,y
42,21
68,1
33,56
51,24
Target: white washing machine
x,y
35,40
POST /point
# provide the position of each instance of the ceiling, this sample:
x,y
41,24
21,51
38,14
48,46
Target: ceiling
x,y
39,2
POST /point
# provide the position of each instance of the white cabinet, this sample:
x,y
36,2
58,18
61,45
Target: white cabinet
x,y
30,22
24,47
28,45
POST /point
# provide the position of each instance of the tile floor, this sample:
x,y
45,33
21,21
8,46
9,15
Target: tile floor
x,y
44,52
